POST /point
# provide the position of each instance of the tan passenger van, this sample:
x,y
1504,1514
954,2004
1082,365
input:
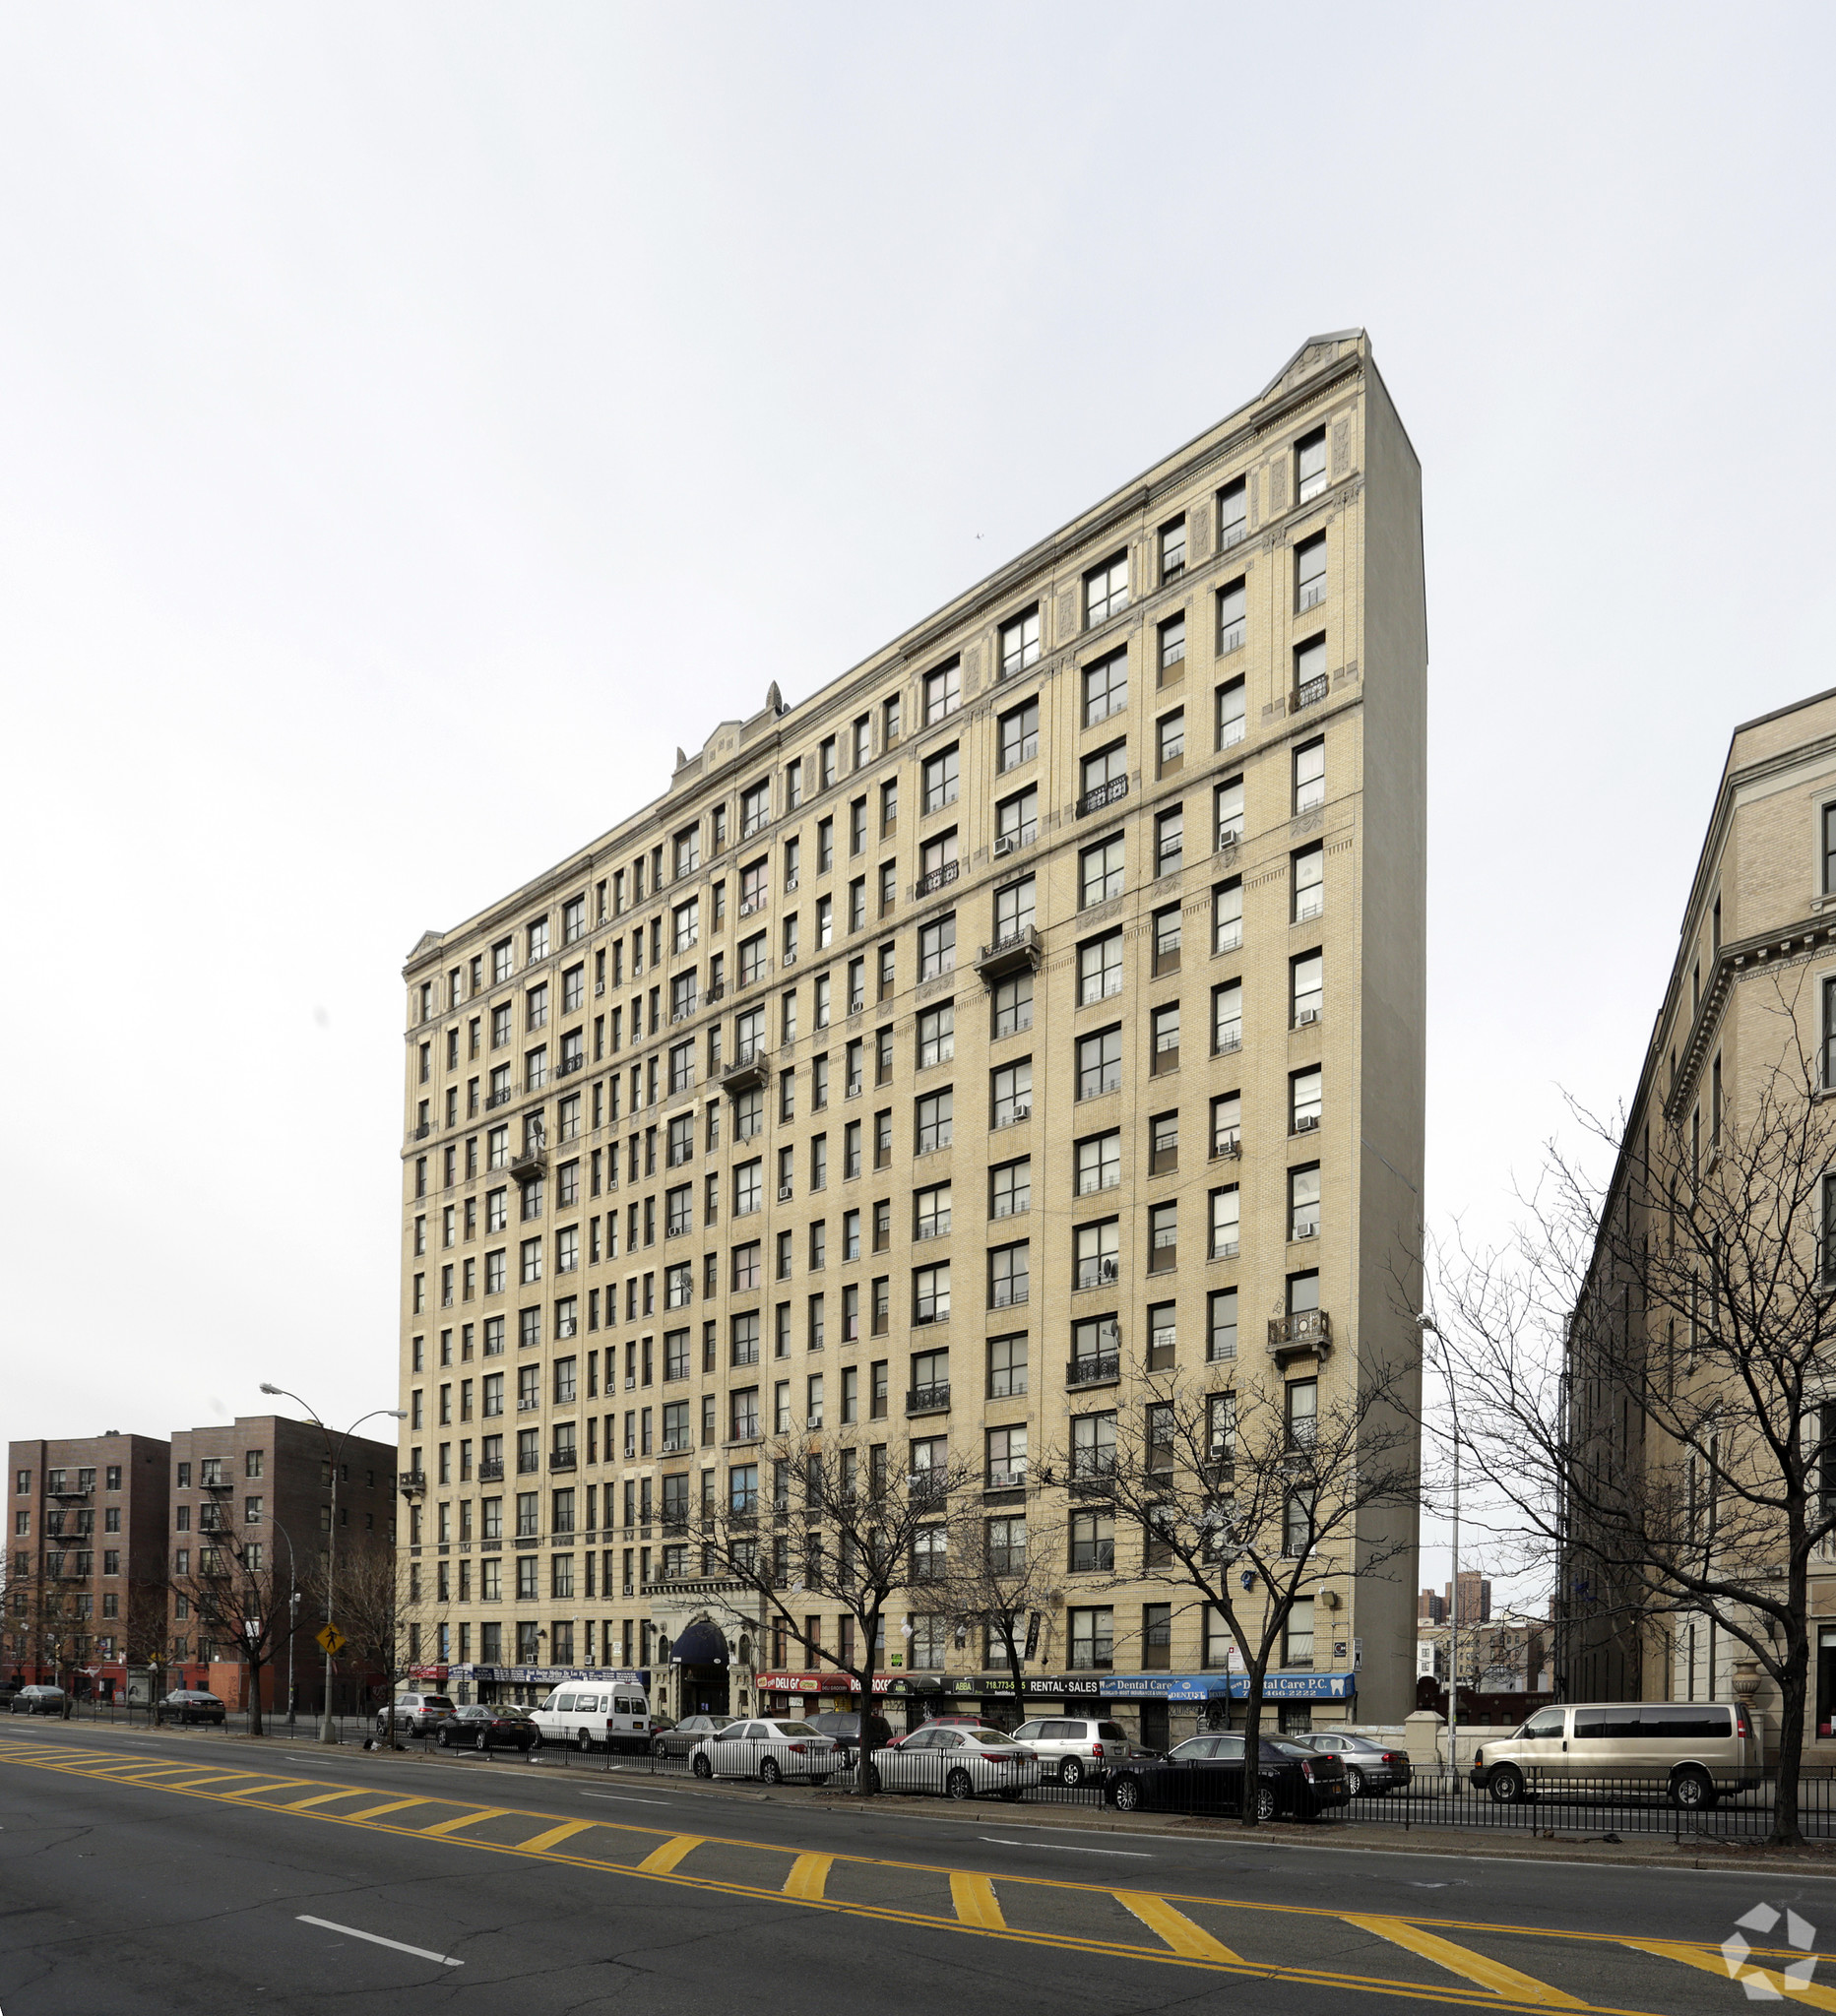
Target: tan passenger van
x,y
1695,1749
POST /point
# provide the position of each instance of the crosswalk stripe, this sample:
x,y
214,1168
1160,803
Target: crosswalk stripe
x,y
660,1860
1709,1959
1460,1960
973,1901
248,1791
209,1778
387,1806
1191,1941
324,1798
460,1820
809,1876
538,1843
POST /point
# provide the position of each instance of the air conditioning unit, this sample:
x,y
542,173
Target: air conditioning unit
x,y
1228,836
1304,1015
1003,845
1307,1228
784,1192
1305,1123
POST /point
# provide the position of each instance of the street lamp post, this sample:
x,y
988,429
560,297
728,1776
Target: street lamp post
x,y
1430,1328
327,1734
292,1618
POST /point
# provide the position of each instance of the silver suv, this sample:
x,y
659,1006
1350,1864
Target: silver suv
x,y
414,1714
1076,1748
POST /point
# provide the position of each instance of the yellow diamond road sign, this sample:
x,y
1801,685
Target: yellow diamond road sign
x,y
332,1641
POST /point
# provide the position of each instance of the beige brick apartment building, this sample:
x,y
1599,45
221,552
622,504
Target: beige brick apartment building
x,y
1039,1001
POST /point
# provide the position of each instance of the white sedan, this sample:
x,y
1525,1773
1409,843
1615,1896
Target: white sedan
x,y
768,1750
957,1762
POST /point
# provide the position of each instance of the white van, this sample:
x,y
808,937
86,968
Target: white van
x,y
591,1713
1695,1749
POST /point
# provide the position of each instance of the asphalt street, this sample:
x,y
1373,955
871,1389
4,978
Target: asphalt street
x,y
143,1873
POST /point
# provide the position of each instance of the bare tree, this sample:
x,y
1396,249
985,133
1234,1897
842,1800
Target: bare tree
x,y
1001,1575
1248,1495
375,1611
1642,1374
238,1596
839,1522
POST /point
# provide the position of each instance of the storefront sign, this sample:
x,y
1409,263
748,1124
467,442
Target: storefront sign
x,y
553,1675
824,1683
1164,1686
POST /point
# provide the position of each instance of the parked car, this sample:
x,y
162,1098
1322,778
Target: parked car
x,y
414,1714
193,1704
38,1701
1205,1774
844,1725
1370,1766
1696,1750
766,1750
1073,1747
957,1762
678,1738
484,1725
590,1712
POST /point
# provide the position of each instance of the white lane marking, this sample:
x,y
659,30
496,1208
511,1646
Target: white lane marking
x,y
624,1798
1060,1848
377,1939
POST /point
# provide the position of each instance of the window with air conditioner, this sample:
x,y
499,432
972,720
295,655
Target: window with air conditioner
x,y
1011,1092
1016,821
1303,1100
1306,982
1304,1202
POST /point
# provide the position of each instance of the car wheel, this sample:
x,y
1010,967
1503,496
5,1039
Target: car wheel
x,y
1505,1785
444,1741
1354,1782
1071,1772
535,1740
769,1773
583,1742
1266,1802
1125,1794
482,1741
703,1769
959,1786
658,1748
1692,1789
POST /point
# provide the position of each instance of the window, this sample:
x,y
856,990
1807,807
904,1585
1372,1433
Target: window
x,y
1233,513
1170,737
1310,466
1171,646
889,721
1099,873
1227,1112
825,761
1007,1367
1304,1202
1097,1253
1166,1030
687,921
753,963
1309,882
681,1067
1170,841
1226,915
937,862
1303,1100
1226,1223
1007,1458
1310,682
1013,911
1233,618
943,691
1009,1275
1106,688
1168,935
1307,989
1020,735
793,784
1020,642
1298,1635
755,808
1100,1062
1098,968
1227,1017
825,845
1092,1545
748,1188
1311,572
938,948
941,773
1162,1336
1013,1005
687,851
931,1212
532,1260
935,1113
1100,1162
1221,1334
930,1294
1017,821
743,1415
1300,1408
1172,549
1010,1188
538,940
1106,590
936,1036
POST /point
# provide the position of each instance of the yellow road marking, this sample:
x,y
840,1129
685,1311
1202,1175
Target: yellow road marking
x,y
244,1791
324,1798
660,1860
209,1778
1469,1965
1709,1959
1189,1941
808,1878
460,1820
387,1806
539,1843
973,1901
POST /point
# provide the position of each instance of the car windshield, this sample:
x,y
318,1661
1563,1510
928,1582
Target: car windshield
x,y
1284,1749
991,1739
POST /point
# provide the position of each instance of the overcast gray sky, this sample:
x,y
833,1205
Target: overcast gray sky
x,y
418,419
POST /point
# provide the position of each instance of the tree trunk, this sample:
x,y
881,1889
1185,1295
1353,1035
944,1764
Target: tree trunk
x,y
1794,1689
1253,1751
863,1756
255,1698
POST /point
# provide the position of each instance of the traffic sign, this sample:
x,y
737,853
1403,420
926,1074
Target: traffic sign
x,y
332,1641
